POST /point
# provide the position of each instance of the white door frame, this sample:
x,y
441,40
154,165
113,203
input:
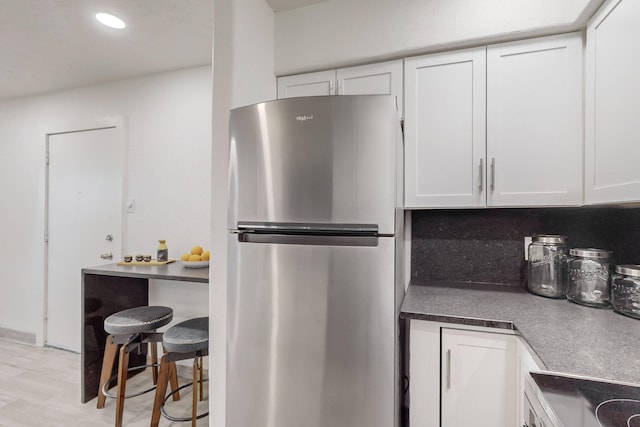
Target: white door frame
x,y
120,125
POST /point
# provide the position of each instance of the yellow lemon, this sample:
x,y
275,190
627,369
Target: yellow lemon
x,y
185,257
196,250
194,257
205,256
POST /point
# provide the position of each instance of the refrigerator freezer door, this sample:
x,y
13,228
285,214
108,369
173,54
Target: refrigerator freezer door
x,y
314,160
310,335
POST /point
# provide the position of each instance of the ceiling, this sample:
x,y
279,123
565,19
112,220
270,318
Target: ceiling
x,y
51,45
280,5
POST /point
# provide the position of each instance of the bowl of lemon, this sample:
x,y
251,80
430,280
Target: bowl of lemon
x,y
196,258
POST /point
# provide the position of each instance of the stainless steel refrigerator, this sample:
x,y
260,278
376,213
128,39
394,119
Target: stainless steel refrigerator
x,y
315,277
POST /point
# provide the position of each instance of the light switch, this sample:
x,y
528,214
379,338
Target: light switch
x,y
131,205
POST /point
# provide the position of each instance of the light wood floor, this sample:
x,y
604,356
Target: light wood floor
x,y
41,387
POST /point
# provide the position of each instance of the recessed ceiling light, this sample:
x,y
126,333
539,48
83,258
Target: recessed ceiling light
x,y
110,20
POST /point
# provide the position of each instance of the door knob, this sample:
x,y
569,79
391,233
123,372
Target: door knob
x,y
106,255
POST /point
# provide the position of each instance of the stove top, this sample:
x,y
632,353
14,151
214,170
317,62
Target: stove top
x,y
580,402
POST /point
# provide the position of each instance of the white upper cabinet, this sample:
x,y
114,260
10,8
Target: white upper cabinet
x,y
501,128
310,84
375,79
445,129
534,122
612,129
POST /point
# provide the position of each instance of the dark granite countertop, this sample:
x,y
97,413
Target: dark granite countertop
x,y
568,337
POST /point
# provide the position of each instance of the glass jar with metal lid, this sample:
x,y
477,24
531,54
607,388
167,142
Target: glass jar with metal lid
x,y
547,265
625,290
589,274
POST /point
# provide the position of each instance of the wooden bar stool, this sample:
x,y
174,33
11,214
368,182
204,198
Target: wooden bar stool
x,y
130,329
185,340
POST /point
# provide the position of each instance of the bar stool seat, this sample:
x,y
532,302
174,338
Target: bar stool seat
x,y
188,336
138,319
185,340
130,329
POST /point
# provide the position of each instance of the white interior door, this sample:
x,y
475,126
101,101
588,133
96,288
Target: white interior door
x,y
85,187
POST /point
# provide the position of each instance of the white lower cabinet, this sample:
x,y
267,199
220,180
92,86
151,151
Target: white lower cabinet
x,y
466,376
526,362
478,379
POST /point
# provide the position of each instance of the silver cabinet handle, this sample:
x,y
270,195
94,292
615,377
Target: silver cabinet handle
x,y
340,88
106,255
332,90
448,369
481,175
493,174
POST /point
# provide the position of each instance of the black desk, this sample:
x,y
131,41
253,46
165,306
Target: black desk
x,y
110,288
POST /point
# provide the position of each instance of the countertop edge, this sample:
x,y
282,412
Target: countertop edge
x,y
120,271
459,320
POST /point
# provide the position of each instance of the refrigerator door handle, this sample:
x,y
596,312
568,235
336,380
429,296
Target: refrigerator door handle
x,y
308,228
314,239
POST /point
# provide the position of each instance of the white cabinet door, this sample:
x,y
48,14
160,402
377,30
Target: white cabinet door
x,y
526,362
534,122
310,84
445,129
478,379
374,79
612,92
424,374
461,377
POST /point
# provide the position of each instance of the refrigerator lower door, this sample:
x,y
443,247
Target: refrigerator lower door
x,y
311,335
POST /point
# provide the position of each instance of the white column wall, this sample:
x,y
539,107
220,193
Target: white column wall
x,y
168,120
242,75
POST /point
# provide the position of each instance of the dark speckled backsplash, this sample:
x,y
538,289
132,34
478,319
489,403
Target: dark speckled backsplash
x,y
487,245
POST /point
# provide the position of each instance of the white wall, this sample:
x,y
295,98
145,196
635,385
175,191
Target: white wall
x,y
346,32
243,74
169,169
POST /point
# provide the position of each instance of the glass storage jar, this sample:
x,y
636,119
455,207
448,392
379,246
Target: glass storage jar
x,y
625,290
589,274
547,265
